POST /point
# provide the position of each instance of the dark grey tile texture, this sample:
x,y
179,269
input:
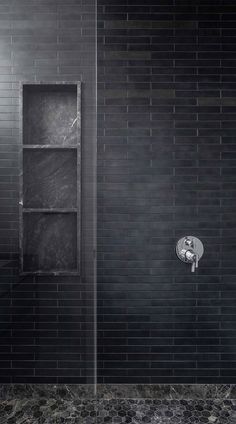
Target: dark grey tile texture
x,y
50,178
46,322
50,115
50,404
75,404
50,242
166,412
166,168
164,404
166,391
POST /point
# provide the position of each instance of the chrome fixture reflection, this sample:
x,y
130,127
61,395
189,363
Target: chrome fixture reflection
x,y
189,249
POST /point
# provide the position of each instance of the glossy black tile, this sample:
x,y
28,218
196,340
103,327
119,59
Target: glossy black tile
x,y
189,113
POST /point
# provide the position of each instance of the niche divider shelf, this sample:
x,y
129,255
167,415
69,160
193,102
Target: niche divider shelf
x,y
50,178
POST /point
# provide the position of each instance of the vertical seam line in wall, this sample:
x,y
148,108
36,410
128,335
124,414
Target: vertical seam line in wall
x,y
95,205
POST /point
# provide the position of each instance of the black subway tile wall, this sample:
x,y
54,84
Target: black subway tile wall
x,y
45,336
166,168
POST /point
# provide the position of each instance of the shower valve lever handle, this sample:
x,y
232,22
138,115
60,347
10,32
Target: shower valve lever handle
x,y
196,260
193,267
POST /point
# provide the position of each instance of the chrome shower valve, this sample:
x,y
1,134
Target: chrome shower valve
x,y
190,250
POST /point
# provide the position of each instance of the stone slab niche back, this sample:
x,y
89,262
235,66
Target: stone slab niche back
x,y
50,183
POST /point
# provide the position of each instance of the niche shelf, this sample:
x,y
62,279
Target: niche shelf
x,y
50,182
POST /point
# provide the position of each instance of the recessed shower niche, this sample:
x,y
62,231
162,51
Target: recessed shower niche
x,y
50,180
